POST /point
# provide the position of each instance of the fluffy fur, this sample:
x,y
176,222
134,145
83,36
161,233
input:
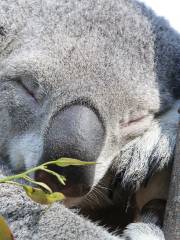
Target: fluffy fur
x,y
115,56
31,221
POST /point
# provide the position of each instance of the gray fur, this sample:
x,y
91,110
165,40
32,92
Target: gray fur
x,y
114,55
28,220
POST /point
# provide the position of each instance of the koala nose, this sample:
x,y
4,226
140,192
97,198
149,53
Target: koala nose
x,y
75,132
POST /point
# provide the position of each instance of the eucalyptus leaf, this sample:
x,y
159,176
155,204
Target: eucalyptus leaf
x,y
60,178
45,186
65,162
39,196
5,232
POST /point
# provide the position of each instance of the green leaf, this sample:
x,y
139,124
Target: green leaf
x,y
45,186
60,178
5,233
39,196
65,162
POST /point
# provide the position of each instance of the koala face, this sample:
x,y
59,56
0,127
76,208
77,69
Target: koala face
x,y
76,80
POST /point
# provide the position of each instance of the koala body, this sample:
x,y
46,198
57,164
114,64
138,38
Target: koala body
x,y
93,80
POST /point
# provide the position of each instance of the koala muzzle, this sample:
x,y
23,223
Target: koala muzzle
x,y
75,132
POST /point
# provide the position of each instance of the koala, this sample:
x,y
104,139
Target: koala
x,y
97,81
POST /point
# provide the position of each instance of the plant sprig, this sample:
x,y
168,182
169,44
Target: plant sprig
x,y
44,195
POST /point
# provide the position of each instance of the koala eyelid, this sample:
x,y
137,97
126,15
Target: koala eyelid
x,y
136,120
136,126
133,121
28,89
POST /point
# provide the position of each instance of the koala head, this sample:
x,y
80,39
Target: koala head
x,y
74,83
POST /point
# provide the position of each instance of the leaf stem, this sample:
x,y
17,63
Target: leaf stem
x,y
21,175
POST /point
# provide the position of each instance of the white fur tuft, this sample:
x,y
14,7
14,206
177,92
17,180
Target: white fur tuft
x,y
25,151
143,231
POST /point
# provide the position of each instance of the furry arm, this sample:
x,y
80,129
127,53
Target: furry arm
x,y
32,221
28,220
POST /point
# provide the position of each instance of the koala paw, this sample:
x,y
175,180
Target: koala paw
x,y
143,231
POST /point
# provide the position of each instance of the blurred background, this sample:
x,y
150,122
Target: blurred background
x,y
170,9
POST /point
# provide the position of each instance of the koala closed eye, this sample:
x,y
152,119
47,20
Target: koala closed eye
x,y
30,85
136,127
27,85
